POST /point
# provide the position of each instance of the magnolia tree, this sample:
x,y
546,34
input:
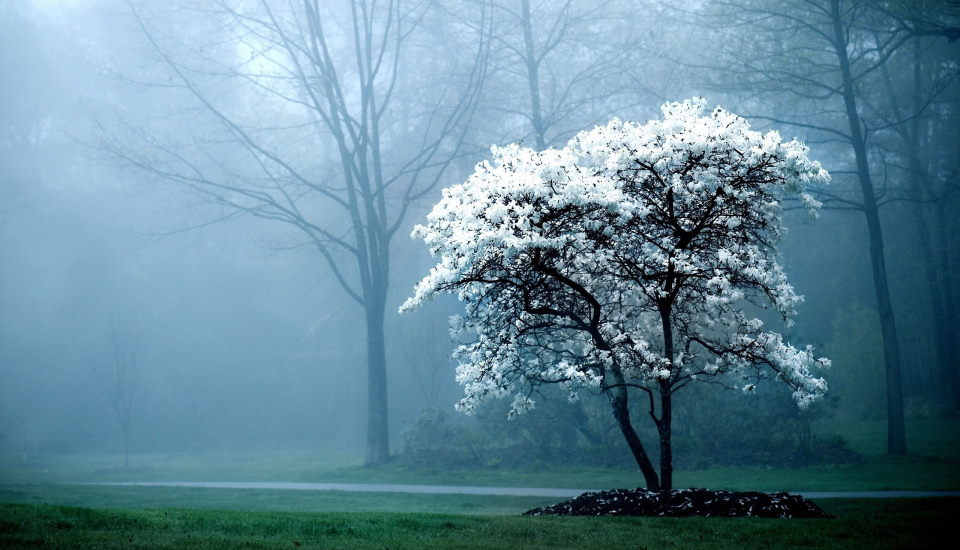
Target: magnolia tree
x,y
631,263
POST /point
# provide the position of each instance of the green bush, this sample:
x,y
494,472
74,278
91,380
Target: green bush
x,y
713,427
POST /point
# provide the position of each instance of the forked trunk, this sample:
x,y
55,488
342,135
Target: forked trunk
x,y
618,400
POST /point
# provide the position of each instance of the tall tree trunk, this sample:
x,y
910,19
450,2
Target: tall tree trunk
x,y
665,422
533,77
950,332
665,429
896,433
943,221
945,350
942,326
378,438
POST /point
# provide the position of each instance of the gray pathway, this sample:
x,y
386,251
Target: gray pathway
x,y
359,487
473,490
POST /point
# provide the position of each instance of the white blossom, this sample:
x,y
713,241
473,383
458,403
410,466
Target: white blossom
x,y
567,258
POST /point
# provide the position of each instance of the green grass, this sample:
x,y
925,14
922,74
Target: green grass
x,y
175,517
937,467
265,500
879,472
901,523
287,465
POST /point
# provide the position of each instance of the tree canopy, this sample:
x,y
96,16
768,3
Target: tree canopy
x,y
636,257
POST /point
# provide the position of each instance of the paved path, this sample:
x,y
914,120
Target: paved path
x,y
473,490
360,487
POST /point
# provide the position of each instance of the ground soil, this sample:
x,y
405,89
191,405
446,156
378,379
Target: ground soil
x,y
685,502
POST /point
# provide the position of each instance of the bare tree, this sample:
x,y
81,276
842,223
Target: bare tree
x,y
119,377
559,66
320,121
816,61
919,94
26,105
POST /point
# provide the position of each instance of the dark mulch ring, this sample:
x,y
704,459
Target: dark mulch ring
x,y
683,503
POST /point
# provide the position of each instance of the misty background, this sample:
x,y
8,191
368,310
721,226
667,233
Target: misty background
x,y
236,333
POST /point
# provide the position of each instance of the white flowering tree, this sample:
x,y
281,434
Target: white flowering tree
x,y
630,262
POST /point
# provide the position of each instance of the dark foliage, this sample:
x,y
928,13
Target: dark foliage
x,y
562,433
737,431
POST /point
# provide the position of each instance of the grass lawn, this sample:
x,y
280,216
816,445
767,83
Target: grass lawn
x,y
265,500
45,481
44,509
879,472
901,523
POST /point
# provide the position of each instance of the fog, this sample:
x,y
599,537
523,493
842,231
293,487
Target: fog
x,y
173,202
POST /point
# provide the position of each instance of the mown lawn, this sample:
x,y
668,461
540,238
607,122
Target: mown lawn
x,y
44,507
934,464
879,472
874,524
50,479
94,496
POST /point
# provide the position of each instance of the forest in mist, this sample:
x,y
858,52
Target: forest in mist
x,y
206,208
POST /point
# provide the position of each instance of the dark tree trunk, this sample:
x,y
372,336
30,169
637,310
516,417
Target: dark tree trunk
x,y
665,422
664,428
621,411
949,330
941,331
896,433
937,254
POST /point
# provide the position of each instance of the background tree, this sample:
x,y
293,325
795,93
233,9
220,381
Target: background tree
x,y
119,377
28,100
623,262
315,124
920,93
558,66
816,65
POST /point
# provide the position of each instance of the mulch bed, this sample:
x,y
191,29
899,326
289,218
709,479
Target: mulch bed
x,y
685,503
